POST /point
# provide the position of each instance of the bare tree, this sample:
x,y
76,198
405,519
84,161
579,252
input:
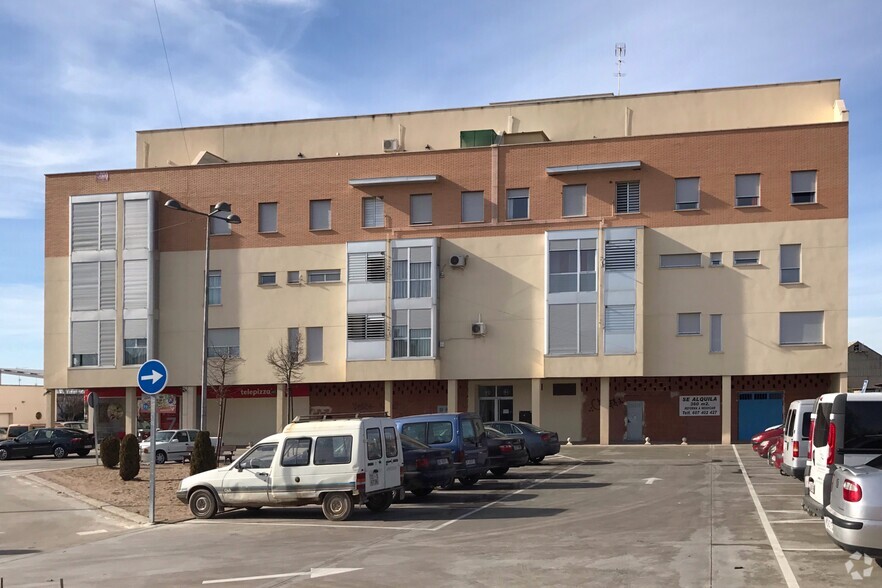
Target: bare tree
x,y
286,360
222,366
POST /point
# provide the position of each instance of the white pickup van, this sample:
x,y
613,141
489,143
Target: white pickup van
x,y
335,463
173,445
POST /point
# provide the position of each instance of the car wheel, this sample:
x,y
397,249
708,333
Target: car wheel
x,y
536,460
469,480
59,452
203,504
379,502
446,484
161,457
337,506
83,452
420,492
498,472
4,454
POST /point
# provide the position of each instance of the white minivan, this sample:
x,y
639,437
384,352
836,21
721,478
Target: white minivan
x,y
797,426
847,431
334,463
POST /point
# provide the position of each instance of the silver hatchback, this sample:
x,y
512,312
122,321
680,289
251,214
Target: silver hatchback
x,y
853,519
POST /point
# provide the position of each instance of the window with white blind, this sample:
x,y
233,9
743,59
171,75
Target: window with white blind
x,y
314,344
92,343
134,341
214,287
689,323
627,197
367,267
716,333
223,342
372,214
747,190
411,272
267,217
219,226
746,257
790,264
676,260
266,279
716,259
93,226
686,194
135,283
421,209
801,328
574,198
135,224
572,329
412,333
472,207
803,187
620,255
93,285
572,265
319,215
619,329
361,327
517,204
320,276
294,278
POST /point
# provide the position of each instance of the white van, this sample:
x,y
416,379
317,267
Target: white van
x,y
335,463
847,431
797,426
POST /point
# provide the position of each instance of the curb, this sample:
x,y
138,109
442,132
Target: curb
x,y
108,508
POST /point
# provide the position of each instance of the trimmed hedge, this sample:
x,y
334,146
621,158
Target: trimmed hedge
x,y
110,452
203,458
129,458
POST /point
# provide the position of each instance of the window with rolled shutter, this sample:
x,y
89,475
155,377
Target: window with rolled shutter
x,y
135,225
108,225
686,194
108,285
85,286
84,343
372,212
107,344
627,197
357,267
620,255
85,223
588,329
135,284
790,258
267,217
563,329
716,333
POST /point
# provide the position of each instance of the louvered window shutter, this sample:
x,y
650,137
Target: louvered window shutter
x,y
621,255
135,284
135,224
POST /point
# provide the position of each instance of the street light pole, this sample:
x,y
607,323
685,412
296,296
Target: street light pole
x,y
222,211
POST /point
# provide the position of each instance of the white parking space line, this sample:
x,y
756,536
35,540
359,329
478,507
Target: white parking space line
x,y
796,521
561,456
98,532
829,549
783,495
323,526
786,571
784,511
497,501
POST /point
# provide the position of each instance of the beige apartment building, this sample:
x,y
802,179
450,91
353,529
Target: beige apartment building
x,y
611,267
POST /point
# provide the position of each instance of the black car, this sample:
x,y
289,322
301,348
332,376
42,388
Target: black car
x,y
57,442
540,442
504,452
425,467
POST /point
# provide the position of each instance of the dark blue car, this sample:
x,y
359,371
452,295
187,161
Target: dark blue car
x,y
460,432
540,442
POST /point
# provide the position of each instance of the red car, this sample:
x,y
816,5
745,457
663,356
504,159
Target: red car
x,y
770,433
765,448
776,454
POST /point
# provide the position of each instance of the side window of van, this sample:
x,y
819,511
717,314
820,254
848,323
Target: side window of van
x,y
391,442
333,450
440,432
296,452
821,422
788,425
415,430
469,435
806,424
374,444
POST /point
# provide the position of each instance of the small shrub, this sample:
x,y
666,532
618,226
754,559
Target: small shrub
x,y
110,452
203,458
129,458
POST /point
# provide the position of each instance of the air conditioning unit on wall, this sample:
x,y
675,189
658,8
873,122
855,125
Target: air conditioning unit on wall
x,y
479,329
390,145
458,260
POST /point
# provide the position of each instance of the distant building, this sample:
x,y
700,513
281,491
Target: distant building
x,y
864,364
612,267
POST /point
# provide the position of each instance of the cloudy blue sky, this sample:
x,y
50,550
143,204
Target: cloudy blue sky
x,y
77,79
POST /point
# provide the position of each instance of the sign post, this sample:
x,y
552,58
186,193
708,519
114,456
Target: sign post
x,y
152,378
92,401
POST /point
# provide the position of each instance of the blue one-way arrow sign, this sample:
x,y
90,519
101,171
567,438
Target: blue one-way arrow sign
x,y
152,377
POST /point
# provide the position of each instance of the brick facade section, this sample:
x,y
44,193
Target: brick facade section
x,y
713,156
794,387
591,410
348,397
418,397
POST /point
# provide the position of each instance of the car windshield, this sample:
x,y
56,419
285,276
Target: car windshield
x,y
410,443
164,435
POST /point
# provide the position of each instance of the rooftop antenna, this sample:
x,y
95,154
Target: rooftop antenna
x,y
620,59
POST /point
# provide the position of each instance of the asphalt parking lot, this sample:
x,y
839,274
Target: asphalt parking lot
x,y
593,516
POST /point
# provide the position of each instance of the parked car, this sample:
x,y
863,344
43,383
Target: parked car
x,y
334,463
847,432
797,426
425,468
2,433
766,446
540,442
173,445
79,425
776,454
853,518
57,442
504,452
757,439
460,432
13,431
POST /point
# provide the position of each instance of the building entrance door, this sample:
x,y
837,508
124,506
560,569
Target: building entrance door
x,y
496,403
634,420
758,411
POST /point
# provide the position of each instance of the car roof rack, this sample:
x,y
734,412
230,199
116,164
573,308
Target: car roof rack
x,y
307,418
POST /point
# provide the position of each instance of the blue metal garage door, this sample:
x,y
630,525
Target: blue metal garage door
x,y
757,411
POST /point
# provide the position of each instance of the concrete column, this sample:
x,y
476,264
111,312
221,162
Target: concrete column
x,y
840,383
471,401
604,411
536,400
300,406
726,410
131,405
189,417
387,397
452,389
281,419
50,412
